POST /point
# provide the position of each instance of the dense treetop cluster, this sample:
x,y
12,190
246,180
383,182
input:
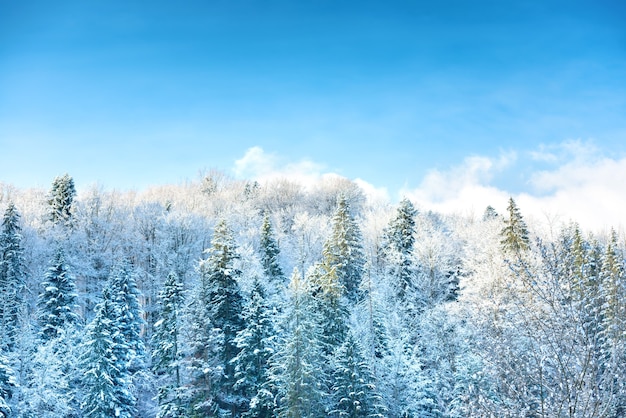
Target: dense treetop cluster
x,y
229,298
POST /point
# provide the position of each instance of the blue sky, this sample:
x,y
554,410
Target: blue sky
x,y
130,94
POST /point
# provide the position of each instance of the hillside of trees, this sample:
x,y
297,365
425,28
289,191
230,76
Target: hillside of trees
x,y
230,298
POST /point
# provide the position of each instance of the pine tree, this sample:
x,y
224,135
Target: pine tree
x,y
166,354
60,199
57,303
218,318
296,373
7,386
398,247
515,232
343,251
256,342
126,297
270,252
353,392
12,276
104,361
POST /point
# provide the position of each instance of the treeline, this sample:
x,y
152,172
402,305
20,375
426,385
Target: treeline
x,y
226,298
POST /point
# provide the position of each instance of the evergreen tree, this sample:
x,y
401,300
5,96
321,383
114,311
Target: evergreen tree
x,y
515,233
353,392
343,251
256,342
270,251
12,276
126,297
296,373
57,303
398,247
166,353
60,199
218,317
104,361
7,386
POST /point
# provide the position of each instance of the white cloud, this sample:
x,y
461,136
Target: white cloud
x,y
262,166
583,187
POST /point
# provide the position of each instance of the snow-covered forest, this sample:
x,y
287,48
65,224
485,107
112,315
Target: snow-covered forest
x,y
230,298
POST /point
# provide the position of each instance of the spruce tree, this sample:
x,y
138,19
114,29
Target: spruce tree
x,y
256,344
166,354
296,373
126,297
12,276
398,247
218,308
60,199
270,252
515,232
104,360
354,393
7,386
343,251
57,303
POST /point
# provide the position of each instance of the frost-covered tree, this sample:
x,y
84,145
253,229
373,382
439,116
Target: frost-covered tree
x,y
166,353
123,287
354,393
48,388
7,385
58,301
296,373
270,251
217,320
398,247
515,232
60,199
257,344
104,364
343,251
12,276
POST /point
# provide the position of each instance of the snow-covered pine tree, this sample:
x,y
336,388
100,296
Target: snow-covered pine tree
x,y
7,385
295,372
123,287
270,252
515,232
166,353
217,310
343,251
104,363
354,393
12,276
398,248
60,199
58,301
257,344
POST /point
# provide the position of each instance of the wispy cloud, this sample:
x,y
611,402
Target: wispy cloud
x,y
581,185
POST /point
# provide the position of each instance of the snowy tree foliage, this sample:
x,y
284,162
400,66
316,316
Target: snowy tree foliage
x,y
398,249
126,295
515,232
12,276
104,363
217,318
343,251
61,198
166,351
391,312
270,251
58,302
257,345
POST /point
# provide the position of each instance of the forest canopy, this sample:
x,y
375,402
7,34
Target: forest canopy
x,y
232,298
